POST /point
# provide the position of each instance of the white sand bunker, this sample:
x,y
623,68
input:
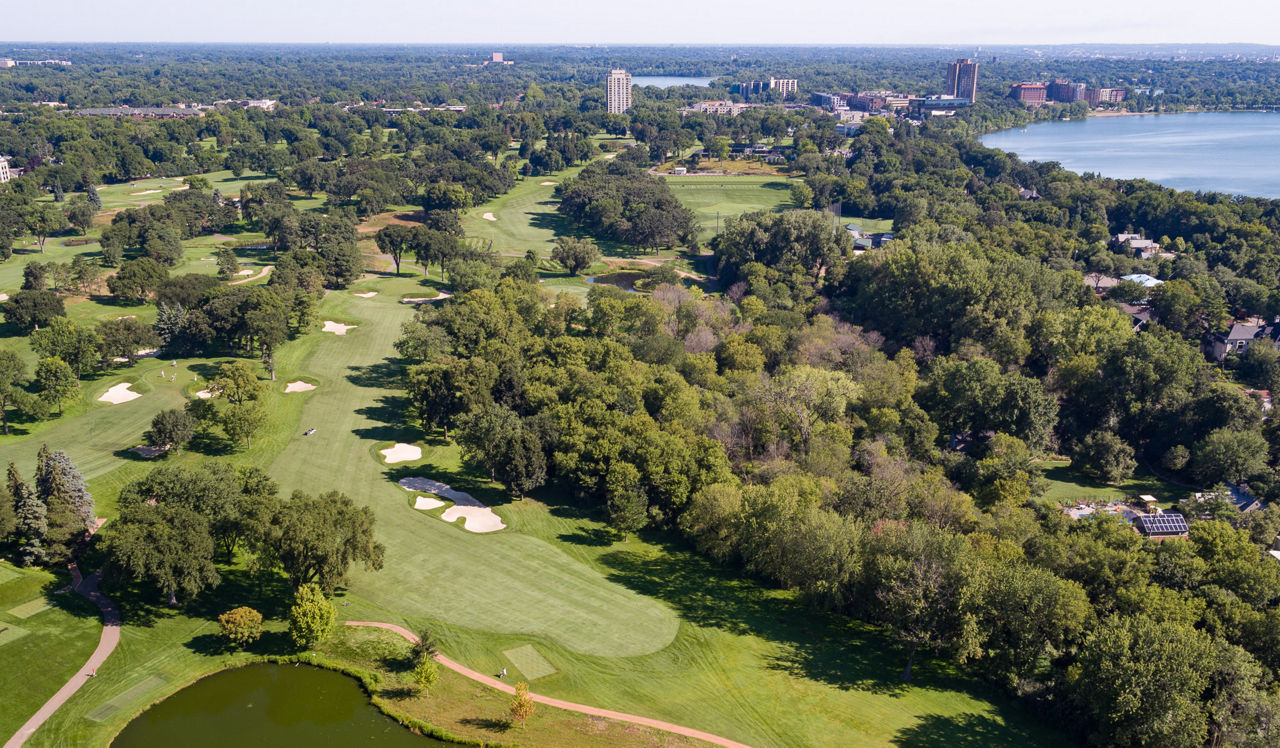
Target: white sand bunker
x,y
427,503
299,386
367,294
476,517
416,300
149,452
119,394
547,184
204,394
4,297
337,328
488,217
146,192
402,452
246,271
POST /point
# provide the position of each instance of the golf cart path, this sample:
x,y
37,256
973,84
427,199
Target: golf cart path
x,y
106,645
558,703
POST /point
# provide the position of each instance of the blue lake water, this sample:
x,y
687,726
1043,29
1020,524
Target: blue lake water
x,y
667,81
1233,152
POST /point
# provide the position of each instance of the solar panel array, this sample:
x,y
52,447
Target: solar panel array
x,y
1169,523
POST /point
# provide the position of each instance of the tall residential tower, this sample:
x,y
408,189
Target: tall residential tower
x,y
962,80
618,88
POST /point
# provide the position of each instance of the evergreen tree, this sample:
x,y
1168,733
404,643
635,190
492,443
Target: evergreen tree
x,y
31,519
58,195
94,198
62,490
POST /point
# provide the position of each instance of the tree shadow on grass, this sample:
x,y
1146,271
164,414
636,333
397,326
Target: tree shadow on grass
x,y
387,374
467,479
487,723
597,537
966,730
817,645
389,411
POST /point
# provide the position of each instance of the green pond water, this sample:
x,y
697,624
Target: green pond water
x,y
268,705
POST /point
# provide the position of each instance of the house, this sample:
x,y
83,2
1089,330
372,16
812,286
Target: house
x,y
1142,279
1149,502
1237,339
1161,526
5,173
1100,283
1027,194
1262,396
1136,245
1140,316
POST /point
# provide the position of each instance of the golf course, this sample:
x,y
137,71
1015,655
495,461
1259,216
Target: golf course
x,y
643,626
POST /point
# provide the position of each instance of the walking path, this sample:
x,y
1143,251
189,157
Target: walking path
x,y
106,645
558,703
261,274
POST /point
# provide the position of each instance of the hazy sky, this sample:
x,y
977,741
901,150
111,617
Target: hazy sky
x,y
648,21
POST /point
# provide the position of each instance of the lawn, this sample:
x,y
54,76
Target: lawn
x,y
57,640
714,199
1067,486
524,218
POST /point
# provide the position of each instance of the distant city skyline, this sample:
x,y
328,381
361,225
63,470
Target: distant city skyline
x,y
923,22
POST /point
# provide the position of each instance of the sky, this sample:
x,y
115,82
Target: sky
x,y
925,22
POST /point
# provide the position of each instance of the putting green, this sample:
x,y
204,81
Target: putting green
x,y
506,582
530,662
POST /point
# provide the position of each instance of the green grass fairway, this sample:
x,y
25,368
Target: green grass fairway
x,y
728,197
47,648
1066,486
30,608
529,662
525,218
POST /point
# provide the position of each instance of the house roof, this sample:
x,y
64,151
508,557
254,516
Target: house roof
x,y
1166,523
1142,279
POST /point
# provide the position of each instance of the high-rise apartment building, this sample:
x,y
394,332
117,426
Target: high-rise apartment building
x,y
962,79
1031,94
5,174
1065,92
618,91
785,86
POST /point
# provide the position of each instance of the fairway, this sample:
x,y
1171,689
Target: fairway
x,y
529,662
724,197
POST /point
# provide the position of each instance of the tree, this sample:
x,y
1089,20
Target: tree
x,y
576,254
395,239
237,383
311,618
43,221
137,278
66,497
13,373
57,382
80,214
240,627
1104,456
31,518
171,428
522,466
31,310
426,673
626,500
125,338
522,705
801,196
1229,456
316,539
228,263
1137,689
484,433
424,648
242,421
94,198
77,345
1025,613
169,546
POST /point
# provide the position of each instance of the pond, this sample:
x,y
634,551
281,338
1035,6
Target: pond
x,y
268,705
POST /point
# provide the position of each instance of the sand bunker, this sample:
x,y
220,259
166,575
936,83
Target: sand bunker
x,y
299,386
423,299
547,184
246,271
337,328
146,192
427,502
149,452
204,394
367,294
476,517
4,297
489,217
402,452
119,394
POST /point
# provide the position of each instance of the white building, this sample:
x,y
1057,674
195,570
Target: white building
x,y
786,86
618,90
5,174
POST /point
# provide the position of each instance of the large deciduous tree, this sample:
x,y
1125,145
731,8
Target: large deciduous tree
x,y
316,539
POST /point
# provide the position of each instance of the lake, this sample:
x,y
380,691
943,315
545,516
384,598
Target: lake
x,y
1233,152
268,705
667,81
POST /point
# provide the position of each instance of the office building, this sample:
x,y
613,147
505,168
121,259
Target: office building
x,y
874,101
962,80
5,174
618,91
1031,94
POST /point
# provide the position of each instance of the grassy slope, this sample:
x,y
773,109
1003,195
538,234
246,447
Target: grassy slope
x,y
729,196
